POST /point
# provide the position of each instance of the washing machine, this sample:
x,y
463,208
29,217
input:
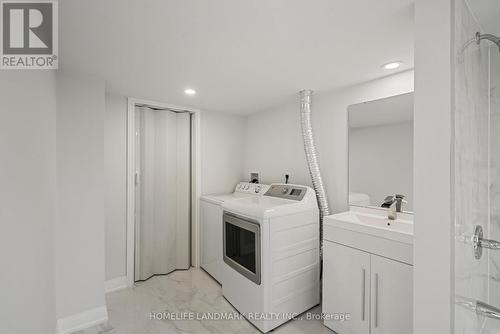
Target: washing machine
x,y
271,264
211,224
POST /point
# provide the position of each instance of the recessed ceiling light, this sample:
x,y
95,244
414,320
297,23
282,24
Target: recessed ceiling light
x,y
189,91
392,65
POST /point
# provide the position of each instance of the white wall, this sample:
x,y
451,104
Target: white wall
x,y
51,204
27,201
115,171
381,161
274,142
433,239
80,192
222,152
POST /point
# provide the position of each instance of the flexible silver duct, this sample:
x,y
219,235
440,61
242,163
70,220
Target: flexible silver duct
x,y
312,159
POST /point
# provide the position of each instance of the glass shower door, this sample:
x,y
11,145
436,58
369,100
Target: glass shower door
x,y
493,256
476,176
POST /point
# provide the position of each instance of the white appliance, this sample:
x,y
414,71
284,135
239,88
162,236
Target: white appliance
x,y
271,254
211,224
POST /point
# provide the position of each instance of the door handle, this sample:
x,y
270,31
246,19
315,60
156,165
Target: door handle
x,y
363,293
479,243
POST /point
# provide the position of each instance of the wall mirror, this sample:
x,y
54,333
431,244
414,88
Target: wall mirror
x,y
381,151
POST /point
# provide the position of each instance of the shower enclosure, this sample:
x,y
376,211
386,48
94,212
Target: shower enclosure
x,y
476,174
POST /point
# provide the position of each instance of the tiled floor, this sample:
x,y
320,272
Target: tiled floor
x,y
191,291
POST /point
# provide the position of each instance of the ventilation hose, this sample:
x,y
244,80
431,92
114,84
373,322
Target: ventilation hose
x,y
312,160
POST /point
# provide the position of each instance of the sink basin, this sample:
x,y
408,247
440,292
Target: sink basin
x,y
398,230
370,230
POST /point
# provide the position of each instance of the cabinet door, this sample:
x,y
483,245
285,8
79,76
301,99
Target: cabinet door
x,y
346,276
392,297
211,238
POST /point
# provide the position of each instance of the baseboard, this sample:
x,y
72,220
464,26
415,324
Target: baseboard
x,y
115,284
83,320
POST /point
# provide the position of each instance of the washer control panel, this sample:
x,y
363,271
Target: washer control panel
x,y
251,188
286,191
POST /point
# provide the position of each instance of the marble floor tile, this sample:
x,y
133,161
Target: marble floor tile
x,y
133,310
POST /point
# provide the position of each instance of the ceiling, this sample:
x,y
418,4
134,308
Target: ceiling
x,y
394,109
241,56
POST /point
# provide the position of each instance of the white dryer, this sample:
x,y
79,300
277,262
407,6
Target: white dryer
x,y
211,224
271,263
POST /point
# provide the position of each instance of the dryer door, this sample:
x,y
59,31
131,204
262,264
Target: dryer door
x,y
242,247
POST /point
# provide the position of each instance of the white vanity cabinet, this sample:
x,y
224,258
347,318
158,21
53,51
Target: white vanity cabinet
x,y
375,291
391,297
346,288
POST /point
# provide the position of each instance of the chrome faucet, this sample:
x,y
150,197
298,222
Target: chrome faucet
x,y
388,203
399,199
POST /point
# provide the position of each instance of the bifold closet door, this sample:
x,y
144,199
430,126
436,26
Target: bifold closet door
x,y
162,212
